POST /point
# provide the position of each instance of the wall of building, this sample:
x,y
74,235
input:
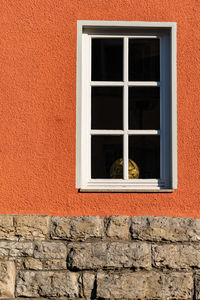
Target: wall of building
x,y
38,107
117,257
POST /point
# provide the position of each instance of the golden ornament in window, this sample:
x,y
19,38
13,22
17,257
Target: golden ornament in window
x,y
116,170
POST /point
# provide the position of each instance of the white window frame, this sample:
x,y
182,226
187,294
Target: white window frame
x,y
166,32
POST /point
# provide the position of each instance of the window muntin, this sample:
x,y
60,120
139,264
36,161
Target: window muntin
x,y
157,129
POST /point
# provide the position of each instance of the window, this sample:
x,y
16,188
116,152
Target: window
x,y
126,106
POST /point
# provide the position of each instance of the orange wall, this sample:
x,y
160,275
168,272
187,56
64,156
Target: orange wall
x,y
38,105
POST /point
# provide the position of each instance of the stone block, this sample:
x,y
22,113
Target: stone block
x,y
197,287
165,228
88,285
31,227
47,284
16,249
109,255
7,280
150,285
50,250
7,229
51,298
27,298
176,256
77,228
54,264
118,227
30,263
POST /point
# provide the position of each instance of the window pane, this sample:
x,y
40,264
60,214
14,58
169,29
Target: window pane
x,y
144,150
144,59
107,59
144,108
105,151
107,108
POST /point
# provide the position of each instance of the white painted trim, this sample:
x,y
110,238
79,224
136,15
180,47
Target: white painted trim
x,y
85,118
127,182
82,178
144,132
143,83
125,190
174,105
136,36
125,111
121,83
107,24
106,132
122,132
88,107
107,83
78,104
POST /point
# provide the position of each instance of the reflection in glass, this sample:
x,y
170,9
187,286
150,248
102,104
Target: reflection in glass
x,y
107,108
145,151
144,108
107,59
105,150
144,59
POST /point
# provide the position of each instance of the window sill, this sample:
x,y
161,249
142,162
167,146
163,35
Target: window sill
x,y
126,190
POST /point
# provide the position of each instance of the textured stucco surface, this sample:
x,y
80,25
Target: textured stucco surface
x,y
38,107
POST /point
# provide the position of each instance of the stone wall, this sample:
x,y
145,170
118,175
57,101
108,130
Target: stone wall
x,y
116,257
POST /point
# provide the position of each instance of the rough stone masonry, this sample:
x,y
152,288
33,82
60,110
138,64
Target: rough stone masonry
x,y
116,257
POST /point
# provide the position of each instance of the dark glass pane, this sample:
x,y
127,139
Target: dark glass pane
x,y
107,108
107,59
144,150
144,59
144,108
105,151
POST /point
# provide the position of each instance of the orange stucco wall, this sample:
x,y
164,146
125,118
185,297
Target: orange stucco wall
x,y
38,107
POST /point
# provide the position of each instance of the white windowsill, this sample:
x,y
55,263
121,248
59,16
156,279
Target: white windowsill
x,y
125,190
